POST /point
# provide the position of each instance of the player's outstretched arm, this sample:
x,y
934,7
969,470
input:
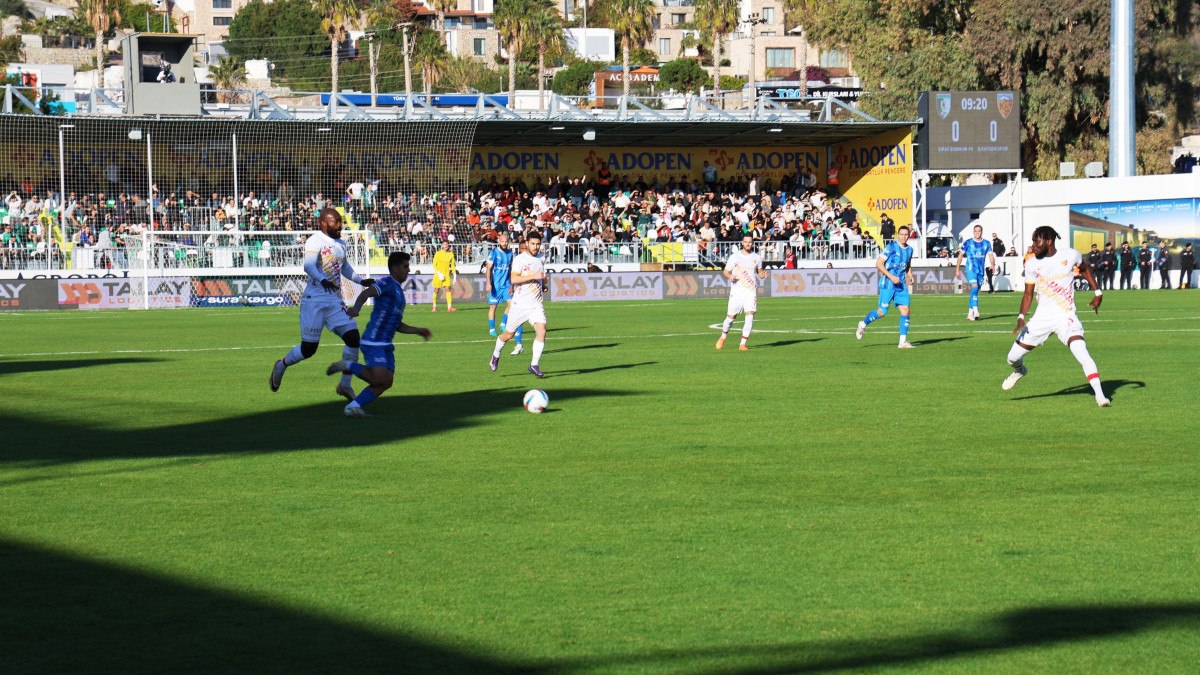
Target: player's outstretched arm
x,y
1026,301
1085,271
368,292
414,330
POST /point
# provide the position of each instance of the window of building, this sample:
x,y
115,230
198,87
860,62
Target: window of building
x,y
677,19
781,58
657,21
664,46
222,20
832,58
222,4
768,15
479,47
767,33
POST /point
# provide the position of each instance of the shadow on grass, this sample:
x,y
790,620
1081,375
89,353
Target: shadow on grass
x,y
312,427
66,615
934,341
1021,629
1110,389
581,347
785,343
598,369
50,365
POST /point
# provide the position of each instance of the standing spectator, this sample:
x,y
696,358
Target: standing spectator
x,y
1126,265
710,175
1187,263
998,247
887,229
1163,263
1145,259
1110,267
604,179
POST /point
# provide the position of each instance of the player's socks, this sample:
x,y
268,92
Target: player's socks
x,y
904,321
520,331
974,303
294,356
871,317
499,346
538,346
449,300
1016,356
492,325
358,370
1079,349
746,326
350,355
365,396
726,325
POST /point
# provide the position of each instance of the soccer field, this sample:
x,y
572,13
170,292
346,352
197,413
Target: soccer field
x,y
812,504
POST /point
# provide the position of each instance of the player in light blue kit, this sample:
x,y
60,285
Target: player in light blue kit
x,y
895,279
499,285
387,319
977,251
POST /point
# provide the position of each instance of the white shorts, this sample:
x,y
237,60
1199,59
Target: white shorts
x,y
518,315
1039,328
741,301
316,315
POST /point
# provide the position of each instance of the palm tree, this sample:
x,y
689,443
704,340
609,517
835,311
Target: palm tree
x,y
429,55
633,20
512,20
546,31
719,18
227,74
443,7
101,16
336,18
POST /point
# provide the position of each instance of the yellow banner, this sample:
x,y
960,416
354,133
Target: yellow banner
x,y
532,163
876,175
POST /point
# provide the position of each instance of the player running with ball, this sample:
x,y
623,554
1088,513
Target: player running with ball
x,y
321,305
528,280
387,319
1052,273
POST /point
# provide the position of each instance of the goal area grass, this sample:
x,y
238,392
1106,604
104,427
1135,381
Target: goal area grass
x,y
812,504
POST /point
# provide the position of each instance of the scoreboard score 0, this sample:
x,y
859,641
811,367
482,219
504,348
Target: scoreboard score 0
x,y
978,130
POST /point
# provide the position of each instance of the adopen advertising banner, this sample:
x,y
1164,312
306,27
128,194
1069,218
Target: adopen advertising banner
x,y
164,292
18,294
606,286
876,175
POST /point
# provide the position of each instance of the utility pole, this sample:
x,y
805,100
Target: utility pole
x,y
370,35
753,20
586,56
407,67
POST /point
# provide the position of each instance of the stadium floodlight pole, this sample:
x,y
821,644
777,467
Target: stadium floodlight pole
x,y
62,197
236,195
1122,153
407,68
753,20
370,36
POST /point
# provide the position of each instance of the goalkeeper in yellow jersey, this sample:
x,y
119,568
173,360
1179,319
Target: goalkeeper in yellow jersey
x,y
445,271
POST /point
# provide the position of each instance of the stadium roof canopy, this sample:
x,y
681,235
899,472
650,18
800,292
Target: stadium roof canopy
x,y
662,121
695,133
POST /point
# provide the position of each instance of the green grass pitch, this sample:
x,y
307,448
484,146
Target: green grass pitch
x,y
814,504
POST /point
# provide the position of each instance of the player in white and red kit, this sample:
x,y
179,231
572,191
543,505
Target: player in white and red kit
x,y
1051,273
321,305
528,276
743,270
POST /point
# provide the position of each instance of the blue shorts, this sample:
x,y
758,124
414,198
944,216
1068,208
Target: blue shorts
x,y
889,293
499,295
374,356
975,278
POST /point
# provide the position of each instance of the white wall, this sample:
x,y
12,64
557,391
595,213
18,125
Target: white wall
x,y
1048,202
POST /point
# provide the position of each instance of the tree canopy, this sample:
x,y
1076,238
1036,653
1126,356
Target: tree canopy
x,y
1056,55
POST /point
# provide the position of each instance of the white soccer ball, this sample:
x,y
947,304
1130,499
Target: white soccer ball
x,y
536,400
